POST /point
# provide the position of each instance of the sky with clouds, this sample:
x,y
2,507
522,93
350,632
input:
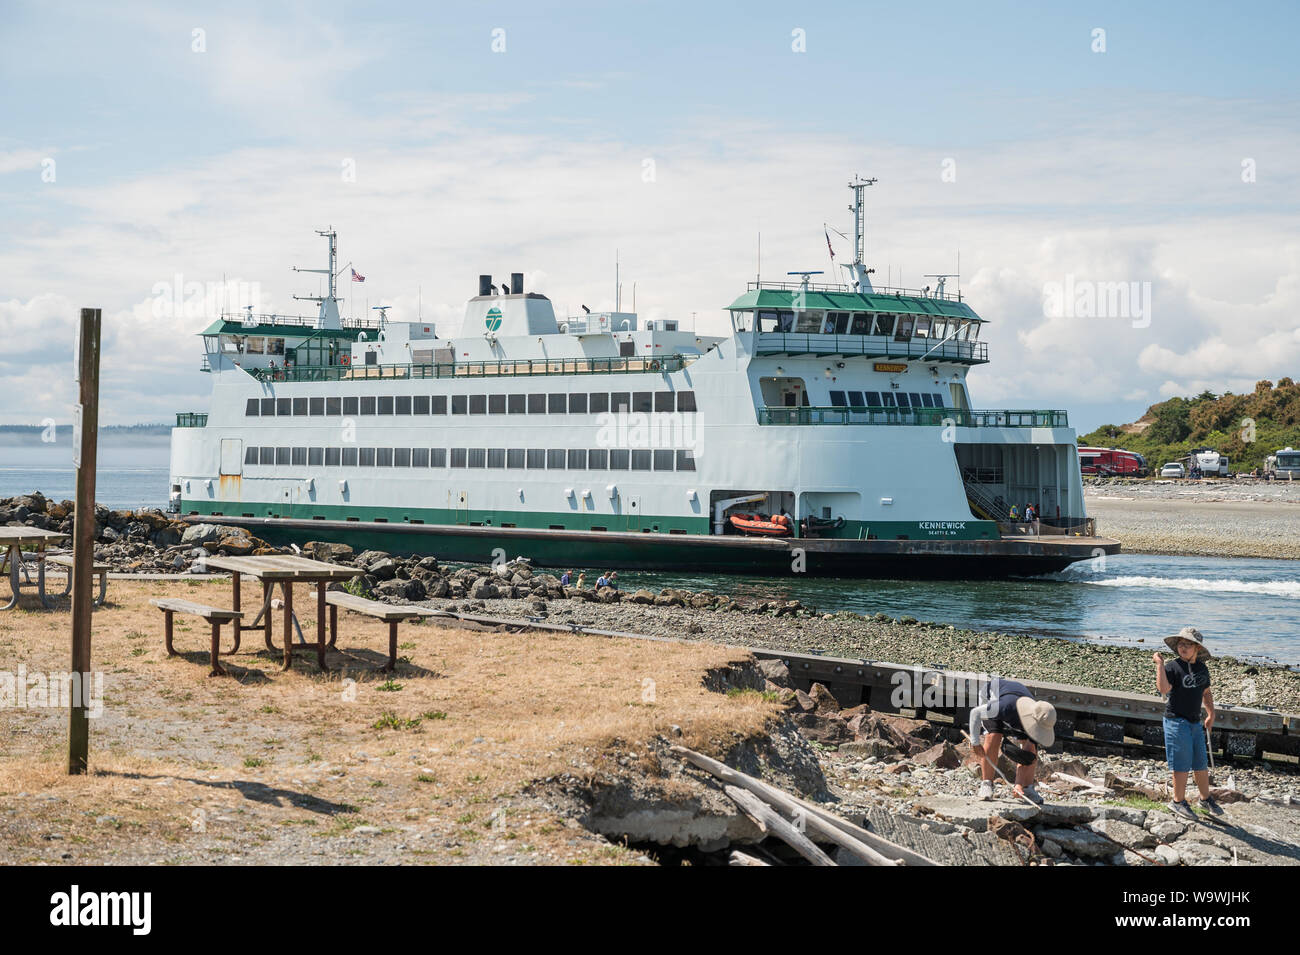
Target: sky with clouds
x,y
144,145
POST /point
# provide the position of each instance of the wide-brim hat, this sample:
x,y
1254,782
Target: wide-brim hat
x,y
1192,635
1038,717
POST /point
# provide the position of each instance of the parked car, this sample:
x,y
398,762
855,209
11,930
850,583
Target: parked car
x,y
1173,470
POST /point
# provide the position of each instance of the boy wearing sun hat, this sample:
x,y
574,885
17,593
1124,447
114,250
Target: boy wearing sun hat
x,y
1185,681
1008,709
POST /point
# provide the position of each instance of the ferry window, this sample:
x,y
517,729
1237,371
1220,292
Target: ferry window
x,y
386,404
316,457
664,401
419,457
402,404
254,345
516,404
808,320
366,457
599,402
578,402
268,407
855,399
618,459
640,460
300,406
537,404
873,398
268,455
663,460
884,325
938,401
250,454
926,400
837,399
887,399
767,322
496,404
316,406
350,405
598,459
368,405
643,402
350,457
685,401
252,407
916,400
333,406
841,323
496,457
861,324
477,457
903,330
459,404
902,399
478,404
626,349
281,456
332,457
686,460
437,457
556,404
785,320
537,457
515,458
620,401
577,459
939,328
438,404
275,346
401,457
555,458
283,406
420,404
922,329
458,457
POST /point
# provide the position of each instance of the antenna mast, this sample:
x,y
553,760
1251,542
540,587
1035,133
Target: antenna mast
x,y
329,311
858,270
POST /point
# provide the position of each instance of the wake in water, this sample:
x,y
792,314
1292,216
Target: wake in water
x,y
1274,588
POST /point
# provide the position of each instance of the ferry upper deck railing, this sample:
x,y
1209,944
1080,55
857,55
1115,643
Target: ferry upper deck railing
x,y
873,346
474,369
309,321
191,419
833,287
933,417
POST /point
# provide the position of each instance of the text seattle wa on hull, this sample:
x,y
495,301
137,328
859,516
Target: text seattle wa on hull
x,y
831,432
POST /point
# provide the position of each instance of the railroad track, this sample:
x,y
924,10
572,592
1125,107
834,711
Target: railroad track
x,y
1088,718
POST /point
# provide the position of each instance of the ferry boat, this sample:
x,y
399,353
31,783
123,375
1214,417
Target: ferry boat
x,y
839,414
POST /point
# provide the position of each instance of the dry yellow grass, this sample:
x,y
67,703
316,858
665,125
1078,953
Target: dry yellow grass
x,y
187,767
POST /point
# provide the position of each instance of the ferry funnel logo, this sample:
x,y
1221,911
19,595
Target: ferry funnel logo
x,y
493,320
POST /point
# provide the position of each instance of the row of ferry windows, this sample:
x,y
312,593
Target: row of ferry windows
x,y
815,321
570,459
872,399
581,402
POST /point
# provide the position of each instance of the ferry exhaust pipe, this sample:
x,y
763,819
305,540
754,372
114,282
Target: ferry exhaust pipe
x,y
516,283
485,285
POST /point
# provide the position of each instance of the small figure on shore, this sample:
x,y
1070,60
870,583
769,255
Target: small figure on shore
x,y
1186,683
611,581
565,578
602,581
582,580
1031,513
1014,715
1015,514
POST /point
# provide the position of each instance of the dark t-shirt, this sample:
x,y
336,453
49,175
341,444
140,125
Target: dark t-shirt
x,y
1187,683
1007,722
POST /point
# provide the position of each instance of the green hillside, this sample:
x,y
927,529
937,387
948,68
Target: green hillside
x,y
1169,430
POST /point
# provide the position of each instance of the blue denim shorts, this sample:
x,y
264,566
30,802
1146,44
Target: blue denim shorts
x,y
1185,745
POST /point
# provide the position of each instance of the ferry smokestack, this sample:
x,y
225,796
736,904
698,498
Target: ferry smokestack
x,y
485,285
516,283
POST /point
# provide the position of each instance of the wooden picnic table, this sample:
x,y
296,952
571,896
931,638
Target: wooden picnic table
x,y
285,570
12,539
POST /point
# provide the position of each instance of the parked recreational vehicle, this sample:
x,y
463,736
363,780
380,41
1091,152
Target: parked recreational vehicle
x,y
1283,465
1207,461
1112,462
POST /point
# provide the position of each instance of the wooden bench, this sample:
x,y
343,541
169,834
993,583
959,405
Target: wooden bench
x,y
98,567
216,616
371,608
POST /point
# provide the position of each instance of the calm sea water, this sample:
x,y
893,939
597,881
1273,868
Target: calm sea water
x,y
1245,607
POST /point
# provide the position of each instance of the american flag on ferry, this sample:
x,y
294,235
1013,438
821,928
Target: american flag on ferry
x,y
828,242
357,276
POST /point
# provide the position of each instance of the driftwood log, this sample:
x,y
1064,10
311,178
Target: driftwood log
x,y
773,822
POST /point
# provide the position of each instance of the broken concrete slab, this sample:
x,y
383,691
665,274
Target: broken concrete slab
x,y
1081,842
1126,834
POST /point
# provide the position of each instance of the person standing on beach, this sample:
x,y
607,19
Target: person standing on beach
x,y
565,578
1186,684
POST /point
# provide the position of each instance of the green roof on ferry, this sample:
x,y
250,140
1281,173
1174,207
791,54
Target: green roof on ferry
x,y
224,327
853,302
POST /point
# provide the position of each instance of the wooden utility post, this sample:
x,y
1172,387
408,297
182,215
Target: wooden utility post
x,y
85,432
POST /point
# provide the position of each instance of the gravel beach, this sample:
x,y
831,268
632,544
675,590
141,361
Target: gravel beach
x,y
1199,518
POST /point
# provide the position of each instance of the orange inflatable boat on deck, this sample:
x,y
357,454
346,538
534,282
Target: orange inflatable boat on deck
x,y
778,526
